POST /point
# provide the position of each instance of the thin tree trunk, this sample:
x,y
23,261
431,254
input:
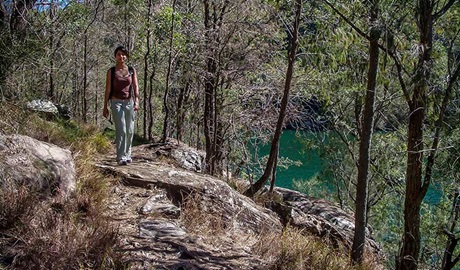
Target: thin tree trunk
x,y
181,101
359,239
168,75
51,53
254,188
85,78
96,88
273,180
76,93
150,111
209,125
448,260
146,68
85,63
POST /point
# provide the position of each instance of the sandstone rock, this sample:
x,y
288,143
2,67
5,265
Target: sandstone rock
x,y
172,187
320,218
44,106
215,196
186,157
42,166
160,205
159,228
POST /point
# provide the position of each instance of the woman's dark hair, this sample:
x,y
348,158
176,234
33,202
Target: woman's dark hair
x,y
121,48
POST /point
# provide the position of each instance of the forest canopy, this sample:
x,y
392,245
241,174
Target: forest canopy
x,y
375,82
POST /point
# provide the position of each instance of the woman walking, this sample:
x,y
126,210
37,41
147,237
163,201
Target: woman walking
x,y
122,90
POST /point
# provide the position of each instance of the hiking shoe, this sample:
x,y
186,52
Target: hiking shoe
x,y
122,162
129,160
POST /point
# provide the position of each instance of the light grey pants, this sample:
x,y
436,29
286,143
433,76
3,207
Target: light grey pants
x,y
123,116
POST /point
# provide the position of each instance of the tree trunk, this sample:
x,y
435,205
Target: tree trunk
x,y
416,188
168,75
273,180
84,109
150,110
146,68
211,117
51,53
254,188
180,117
448,260
359,239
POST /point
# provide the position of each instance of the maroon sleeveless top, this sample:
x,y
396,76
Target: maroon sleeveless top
x,y
121,86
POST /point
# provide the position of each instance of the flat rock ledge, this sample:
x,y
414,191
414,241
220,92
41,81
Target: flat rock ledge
x,y
150,205
148,208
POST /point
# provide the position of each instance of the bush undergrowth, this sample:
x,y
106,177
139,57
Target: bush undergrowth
x,y
294,250
58,232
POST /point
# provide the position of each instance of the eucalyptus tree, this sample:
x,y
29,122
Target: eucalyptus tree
x,y
274,146
232,33
417,86
367,128
147,94
364,125
416,92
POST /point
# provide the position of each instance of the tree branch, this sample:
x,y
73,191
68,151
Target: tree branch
x,y
430,162
349,22
443,10
399,66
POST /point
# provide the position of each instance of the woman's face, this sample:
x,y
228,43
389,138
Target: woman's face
x,y
121,56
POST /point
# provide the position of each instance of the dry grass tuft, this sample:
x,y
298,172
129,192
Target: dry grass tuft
x,y
16,203
200,221
295,251
61,240
237,184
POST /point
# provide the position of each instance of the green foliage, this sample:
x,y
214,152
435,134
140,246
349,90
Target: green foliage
x,y
251,57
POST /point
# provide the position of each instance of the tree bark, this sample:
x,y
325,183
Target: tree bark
x,y
448,260
367,125
210,119
416,188
181,101
254,188
146,68
168,77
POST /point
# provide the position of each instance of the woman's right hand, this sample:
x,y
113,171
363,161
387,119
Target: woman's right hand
x,y
105,113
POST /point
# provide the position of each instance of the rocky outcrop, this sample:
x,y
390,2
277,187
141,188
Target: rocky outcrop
x,y
42,166
165,188
215,197
151,206
181,154
49,109
43,106
319,217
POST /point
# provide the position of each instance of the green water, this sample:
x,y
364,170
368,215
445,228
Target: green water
x,y
294,147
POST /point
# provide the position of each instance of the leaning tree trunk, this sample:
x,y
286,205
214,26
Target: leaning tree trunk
x,y
449,259
359,239
254,188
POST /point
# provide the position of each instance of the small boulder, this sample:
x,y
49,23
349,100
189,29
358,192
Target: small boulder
x,y
42,166
184,156
44,106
